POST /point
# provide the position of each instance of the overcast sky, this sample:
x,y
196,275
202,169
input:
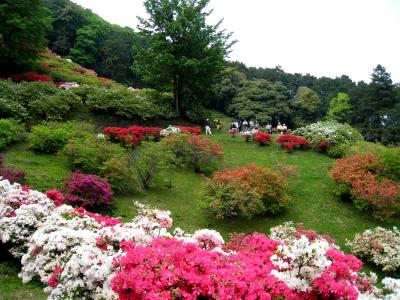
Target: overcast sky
x,y
320,37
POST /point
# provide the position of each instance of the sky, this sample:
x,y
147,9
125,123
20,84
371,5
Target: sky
x,y
321,37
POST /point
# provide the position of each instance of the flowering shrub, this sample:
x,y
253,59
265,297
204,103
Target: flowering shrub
x,y
189,129
249,134
56,196
329,134
67,85
380,246
195,151
170,130
233,131
77,254
30,76
13,175
88,190
357,176
132,135
263,138
291,142
245,191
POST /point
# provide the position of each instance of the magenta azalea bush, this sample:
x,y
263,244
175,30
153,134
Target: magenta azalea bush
x,y
88,190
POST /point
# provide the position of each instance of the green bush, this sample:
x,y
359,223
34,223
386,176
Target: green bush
x,y
390,157
51,137
194,151
10,131
91,155
362,147
143,104
245,192
148,160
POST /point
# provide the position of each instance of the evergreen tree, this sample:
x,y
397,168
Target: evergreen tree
x,y
23,28
185,54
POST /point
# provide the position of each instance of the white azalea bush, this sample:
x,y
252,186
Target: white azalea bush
x,y
380,246
329,135
170,130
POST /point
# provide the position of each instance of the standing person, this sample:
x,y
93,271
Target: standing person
x,y
284,128
236,124
245,125
251,125
279,128
269,128
219,125
256,125
208,127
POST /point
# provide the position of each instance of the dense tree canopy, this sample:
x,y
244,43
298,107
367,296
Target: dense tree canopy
x,y
339,108
307,105
23,28
185,54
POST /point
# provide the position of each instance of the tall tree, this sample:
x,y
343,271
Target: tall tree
x,y
185,54
23,28
340,108
306,105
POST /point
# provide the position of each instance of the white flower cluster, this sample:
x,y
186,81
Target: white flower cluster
x,y
285,232
71,252
68,85
380,246
336,133
170,130
300,262
392,287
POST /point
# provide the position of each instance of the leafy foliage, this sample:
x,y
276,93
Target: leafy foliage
x,y
263,138
24,25
339,108
197,152
51,137
10,131
184,53
307,105
245,191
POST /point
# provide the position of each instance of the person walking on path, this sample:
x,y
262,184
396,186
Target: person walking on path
x,y
208,127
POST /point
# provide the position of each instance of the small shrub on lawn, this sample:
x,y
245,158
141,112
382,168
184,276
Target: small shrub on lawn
x,y
11,174
263,138
132,135
200,153
148,160
380,246
101,157
390,158
245,191
291,142
51,137
359,177
88,190
10,131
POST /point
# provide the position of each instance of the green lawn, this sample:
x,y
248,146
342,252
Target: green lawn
x,y
311,198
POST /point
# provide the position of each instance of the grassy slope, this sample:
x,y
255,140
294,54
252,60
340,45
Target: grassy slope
x,y
312,201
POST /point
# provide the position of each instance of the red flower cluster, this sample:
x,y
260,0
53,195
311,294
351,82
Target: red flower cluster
x,y
132,135
188,129
172,269
290,142
56,196
360,176
53,280
205,145
263,138
323,146
30,76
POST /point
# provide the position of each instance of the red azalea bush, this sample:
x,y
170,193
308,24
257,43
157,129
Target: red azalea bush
x,y
245,191
101,219
359,176
88,190
323,146
171,269
263,138
291,142
189,129
30,76
132,135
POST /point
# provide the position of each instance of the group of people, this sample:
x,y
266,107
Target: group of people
x,y
244,125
